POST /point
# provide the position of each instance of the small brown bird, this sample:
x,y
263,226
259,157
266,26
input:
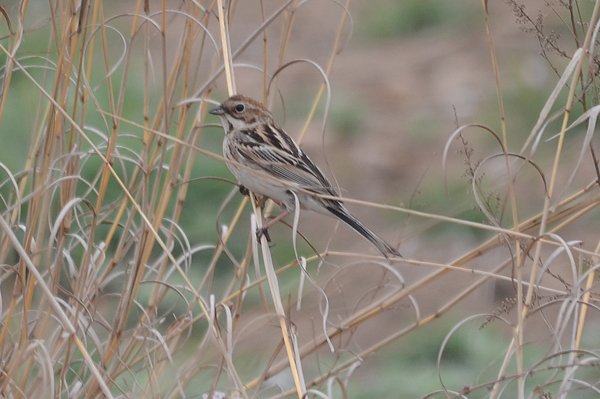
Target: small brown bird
x,y
266,160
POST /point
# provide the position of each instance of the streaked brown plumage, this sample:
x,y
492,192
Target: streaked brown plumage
x,y
266,160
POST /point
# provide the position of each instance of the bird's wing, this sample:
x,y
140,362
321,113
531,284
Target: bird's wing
x,y
280,156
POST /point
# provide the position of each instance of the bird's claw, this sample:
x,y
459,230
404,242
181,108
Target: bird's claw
x,y
263,231
243,190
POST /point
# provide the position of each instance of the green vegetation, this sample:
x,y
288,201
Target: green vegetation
x,y
129,266
388,18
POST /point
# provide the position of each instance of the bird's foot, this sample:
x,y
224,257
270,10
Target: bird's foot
x,y
263,231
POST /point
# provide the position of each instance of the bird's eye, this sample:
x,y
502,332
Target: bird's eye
x,y
240,108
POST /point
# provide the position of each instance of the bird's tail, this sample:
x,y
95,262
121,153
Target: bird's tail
x,y
382,246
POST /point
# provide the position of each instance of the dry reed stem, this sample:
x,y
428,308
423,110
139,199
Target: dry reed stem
x,y
511,189
89,310
295,366
523,309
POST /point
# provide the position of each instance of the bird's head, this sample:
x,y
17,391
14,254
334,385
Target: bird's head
x,y
240,112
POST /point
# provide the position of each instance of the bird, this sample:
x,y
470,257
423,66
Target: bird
x,y
266,161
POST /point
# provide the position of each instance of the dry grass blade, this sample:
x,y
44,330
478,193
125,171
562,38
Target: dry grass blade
x,y
131,265
56,307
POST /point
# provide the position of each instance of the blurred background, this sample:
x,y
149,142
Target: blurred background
x,y
402,77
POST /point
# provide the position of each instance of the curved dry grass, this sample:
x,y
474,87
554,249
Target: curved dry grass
x,y
107,291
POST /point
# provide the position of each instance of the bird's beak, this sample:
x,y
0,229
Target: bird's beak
x,y
217,111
